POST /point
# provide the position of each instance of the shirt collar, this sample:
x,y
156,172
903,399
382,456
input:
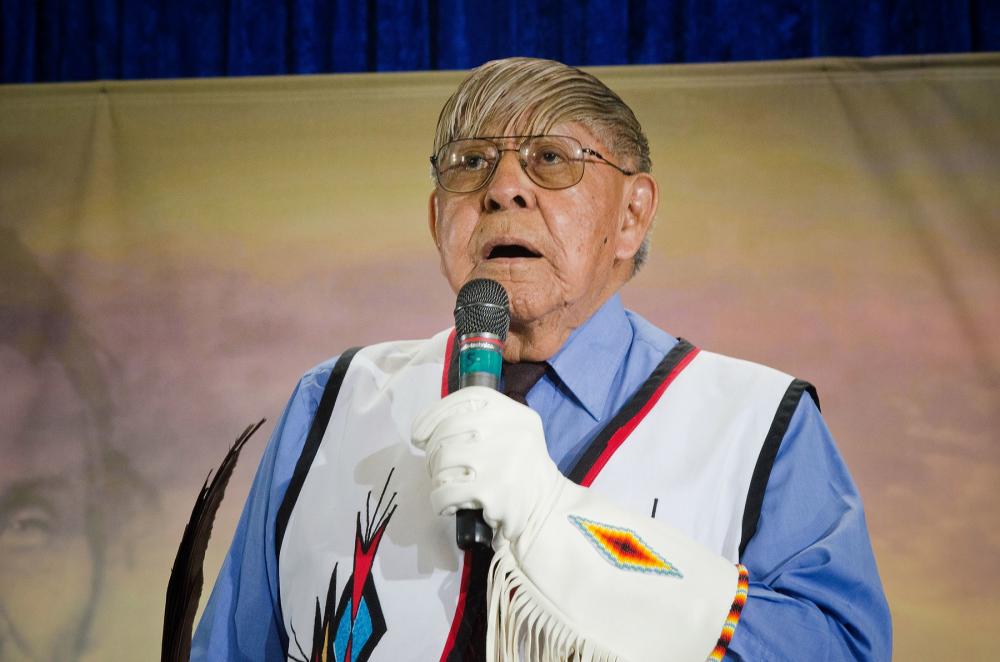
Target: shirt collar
x,y
592,355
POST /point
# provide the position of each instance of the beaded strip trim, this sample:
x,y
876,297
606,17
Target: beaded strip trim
x,y
742,589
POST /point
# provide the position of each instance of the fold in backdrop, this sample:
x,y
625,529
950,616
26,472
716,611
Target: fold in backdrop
x,y
94,39
173,255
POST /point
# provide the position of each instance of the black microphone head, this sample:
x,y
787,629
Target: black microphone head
x,y
482,307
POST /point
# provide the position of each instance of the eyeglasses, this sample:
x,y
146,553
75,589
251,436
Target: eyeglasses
x,y
552,162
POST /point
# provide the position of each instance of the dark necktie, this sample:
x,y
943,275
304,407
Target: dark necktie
x,y
518,378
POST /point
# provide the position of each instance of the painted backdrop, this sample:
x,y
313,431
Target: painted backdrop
x,y
174,254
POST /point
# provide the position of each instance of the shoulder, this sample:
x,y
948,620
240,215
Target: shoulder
x,y
319,386
394,355
292,428
308,393
732,377
647,337
309,390
367,371
313,381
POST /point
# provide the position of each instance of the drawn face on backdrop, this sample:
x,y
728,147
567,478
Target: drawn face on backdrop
x,y
49,565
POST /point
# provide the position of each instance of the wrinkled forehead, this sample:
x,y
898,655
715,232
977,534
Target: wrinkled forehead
x,y
46,427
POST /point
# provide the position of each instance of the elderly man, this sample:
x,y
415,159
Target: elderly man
x,y
650,501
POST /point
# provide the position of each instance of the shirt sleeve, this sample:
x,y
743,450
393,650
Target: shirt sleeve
x,y
242,620
815,592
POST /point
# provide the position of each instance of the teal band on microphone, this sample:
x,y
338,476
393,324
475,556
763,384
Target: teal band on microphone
x,y
480,359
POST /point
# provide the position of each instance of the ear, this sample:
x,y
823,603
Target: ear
x,y
641,199
432,216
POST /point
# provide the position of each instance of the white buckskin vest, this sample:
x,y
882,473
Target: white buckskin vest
x,y
368,572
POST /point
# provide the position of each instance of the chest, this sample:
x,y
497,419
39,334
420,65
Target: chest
x,y
365,564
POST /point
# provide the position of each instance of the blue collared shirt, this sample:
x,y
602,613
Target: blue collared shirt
x,y
815,591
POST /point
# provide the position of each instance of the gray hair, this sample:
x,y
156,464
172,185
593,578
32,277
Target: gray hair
x,y
528,96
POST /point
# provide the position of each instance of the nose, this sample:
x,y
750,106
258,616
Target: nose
x,y
510,187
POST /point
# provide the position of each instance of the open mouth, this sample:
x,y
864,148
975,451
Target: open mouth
x,y
511,251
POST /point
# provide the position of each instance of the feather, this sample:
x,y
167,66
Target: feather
x,y
186,577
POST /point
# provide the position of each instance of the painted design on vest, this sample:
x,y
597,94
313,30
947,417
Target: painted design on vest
x,y
624,548
349,630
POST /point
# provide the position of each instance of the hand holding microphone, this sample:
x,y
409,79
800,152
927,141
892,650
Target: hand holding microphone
x,y
487,452
478,441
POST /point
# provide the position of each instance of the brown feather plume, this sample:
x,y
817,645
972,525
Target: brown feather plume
x,y
186,577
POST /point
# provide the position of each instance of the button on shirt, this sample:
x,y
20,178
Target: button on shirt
x,y
815,592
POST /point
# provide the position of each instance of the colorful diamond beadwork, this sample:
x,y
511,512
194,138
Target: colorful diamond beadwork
x,y
624,548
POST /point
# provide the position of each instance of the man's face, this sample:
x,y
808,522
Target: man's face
x,y
46,563
560,253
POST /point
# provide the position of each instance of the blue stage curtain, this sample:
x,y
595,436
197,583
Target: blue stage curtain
x,y
65,40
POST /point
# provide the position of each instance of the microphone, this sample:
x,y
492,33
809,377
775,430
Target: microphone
x,y
482,319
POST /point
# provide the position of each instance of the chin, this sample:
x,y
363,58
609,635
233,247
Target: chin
x,y
532,291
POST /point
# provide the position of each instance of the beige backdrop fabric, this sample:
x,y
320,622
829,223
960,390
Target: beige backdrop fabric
x,y
174,254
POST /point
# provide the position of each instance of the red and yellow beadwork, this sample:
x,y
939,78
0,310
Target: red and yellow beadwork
x,y
742,589
624,548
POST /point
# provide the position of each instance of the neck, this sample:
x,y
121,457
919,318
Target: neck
x,y
539,339
533,341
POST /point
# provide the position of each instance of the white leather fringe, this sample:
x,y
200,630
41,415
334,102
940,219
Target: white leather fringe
x,y
522,624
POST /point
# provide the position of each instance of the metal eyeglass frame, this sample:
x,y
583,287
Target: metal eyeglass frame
x,y
524,140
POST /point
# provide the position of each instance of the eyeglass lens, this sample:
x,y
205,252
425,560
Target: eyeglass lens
x,y
552,162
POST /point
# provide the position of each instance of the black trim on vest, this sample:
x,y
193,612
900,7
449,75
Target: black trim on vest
x,y
765,461
313,439
630,409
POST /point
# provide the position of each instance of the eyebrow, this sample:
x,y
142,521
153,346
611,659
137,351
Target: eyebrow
x,y
34,491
